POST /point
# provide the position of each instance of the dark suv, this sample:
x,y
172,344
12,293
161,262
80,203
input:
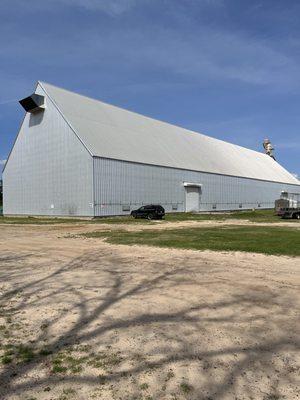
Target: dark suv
x,y
150,212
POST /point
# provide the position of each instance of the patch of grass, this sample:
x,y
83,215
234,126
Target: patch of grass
x,y
144,386
64,362
58,369
52,221
18,353
75,364
37,220
25,353
21,353
69,391
67,361
45,351
253,216
105,360
6,359
185,388
126,219
257,239
8,346
9,352
83,348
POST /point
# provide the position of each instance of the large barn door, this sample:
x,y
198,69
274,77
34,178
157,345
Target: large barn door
x,y
192,198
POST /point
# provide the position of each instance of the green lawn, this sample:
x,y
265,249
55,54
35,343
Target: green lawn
x,y
37,220
255,216
52,221
257,239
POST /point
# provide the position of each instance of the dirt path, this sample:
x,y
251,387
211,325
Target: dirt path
x,y
158,225
141,323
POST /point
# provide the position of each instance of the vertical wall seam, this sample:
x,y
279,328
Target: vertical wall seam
x,y
93,187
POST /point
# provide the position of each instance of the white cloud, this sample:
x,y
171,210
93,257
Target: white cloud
x,y
222,55
116,7
289,145
2,162
112,7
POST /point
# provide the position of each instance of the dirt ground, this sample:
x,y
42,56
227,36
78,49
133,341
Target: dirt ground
x,y
82,319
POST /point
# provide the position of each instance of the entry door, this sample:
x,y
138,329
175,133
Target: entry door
x,y
192,198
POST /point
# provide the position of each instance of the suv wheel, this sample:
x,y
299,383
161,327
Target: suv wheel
x,y
150,216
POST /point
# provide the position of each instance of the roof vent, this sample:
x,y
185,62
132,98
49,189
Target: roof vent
x,y
33,103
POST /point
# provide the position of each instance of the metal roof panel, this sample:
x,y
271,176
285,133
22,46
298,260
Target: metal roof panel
x,y
112,132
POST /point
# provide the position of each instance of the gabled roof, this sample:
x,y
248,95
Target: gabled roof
x,y
111,132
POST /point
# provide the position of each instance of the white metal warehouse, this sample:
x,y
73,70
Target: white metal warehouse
x,y
75,156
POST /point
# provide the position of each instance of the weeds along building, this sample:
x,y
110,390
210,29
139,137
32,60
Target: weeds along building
x,y
75,156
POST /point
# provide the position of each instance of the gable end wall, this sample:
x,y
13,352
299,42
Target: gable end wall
x,y
49,171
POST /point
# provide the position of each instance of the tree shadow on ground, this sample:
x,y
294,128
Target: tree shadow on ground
x,y
242,343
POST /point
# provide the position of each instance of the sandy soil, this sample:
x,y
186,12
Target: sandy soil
x,y
144,323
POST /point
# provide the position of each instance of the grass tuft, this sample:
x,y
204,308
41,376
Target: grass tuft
x,y
25,353
58,369
144,386
185,387
74,363
6,359
45,352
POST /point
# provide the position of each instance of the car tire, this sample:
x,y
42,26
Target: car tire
x,y
150,217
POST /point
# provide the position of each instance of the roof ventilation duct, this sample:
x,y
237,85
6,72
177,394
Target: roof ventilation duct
x,y
33,103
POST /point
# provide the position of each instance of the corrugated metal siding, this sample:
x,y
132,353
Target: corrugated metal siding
x,y
48,167
120,183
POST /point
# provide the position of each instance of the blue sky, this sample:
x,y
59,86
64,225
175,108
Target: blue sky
x,y
226,68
